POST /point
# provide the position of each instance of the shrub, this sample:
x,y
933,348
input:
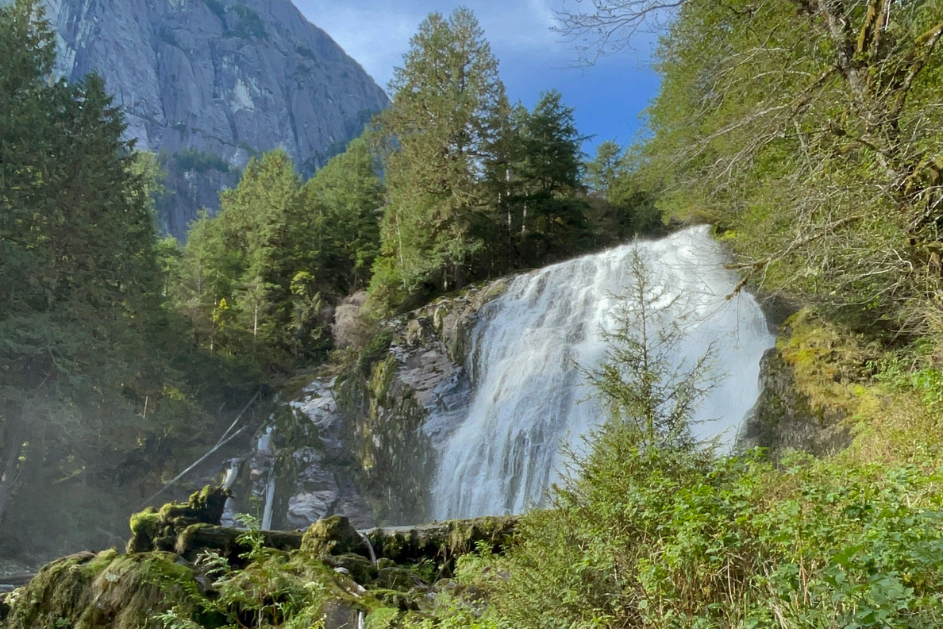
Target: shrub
x,y
250,24
201,162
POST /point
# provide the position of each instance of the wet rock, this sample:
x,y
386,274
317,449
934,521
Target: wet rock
x,y
418,371
322,486
785,416
340,614
310,506
317,491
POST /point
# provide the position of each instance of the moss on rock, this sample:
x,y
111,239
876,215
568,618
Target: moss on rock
x,y
108,590
332,536
154,529
810,384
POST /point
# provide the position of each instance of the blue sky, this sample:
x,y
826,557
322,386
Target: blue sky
x,y
608,97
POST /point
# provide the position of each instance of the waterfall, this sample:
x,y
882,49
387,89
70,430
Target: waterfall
x,y
529,399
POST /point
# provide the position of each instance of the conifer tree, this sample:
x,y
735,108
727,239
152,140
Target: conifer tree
x,y
346,196
603,169
78,274
548,158
447,102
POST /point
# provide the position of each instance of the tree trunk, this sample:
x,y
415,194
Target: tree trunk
x,y
13,444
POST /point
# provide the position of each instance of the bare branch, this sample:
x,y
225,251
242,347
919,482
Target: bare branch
x,y
609,26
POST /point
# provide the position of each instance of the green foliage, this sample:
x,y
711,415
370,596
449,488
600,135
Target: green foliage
x,y
376,349
622,202
914,371
541,178
347,194
447,99
601,172
638,381
200,161
95,375
666,538
250,24
475,188
820,150
259,280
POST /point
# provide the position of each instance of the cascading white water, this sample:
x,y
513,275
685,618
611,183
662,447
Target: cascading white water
x,y
529,399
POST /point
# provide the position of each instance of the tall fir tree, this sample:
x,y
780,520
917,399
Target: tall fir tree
x,y
445,118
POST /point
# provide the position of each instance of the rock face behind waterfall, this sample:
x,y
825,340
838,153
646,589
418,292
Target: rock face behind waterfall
x,y
210,83
413,370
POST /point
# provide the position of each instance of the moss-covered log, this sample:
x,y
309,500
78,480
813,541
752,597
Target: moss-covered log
x,y
442,541
225,541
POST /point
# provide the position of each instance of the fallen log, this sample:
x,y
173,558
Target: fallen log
x,y
197,538
441,542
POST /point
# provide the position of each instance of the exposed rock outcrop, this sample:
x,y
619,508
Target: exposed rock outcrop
x,y
210,83
416,367
807,390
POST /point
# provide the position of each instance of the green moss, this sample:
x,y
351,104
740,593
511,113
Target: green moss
x,y
146,521
383,618
376,349
108,590
158,529
332,536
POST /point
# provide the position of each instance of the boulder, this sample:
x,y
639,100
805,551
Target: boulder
x,y
332,536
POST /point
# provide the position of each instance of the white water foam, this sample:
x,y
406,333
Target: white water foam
x,y
529,399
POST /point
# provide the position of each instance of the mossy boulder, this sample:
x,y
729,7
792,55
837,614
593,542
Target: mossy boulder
x,y
332,536
360,569
154,529
88,591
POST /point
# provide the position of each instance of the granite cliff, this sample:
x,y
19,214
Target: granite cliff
x,y
207,84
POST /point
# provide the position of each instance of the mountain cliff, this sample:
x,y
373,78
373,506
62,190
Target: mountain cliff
x,y
207,84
